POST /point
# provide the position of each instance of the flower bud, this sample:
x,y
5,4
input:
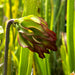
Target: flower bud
x,y
35,35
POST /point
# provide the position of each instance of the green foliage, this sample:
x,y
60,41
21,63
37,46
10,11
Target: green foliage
x,y
70,36
64,55
21,61
1,14
1,32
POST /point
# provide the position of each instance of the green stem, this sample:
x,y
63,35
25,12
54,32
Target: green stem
x,y
70,41
10,4
47,12
42,8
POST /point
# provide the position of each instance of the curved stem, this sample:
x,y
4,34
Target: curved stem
x,y
6,45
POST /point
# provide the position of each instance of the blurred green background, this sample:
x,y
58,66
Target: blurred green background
x,y
60,16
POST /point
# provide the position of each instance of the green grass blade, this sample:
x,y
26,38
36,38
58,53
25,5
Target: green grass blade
x,y
20,3
56,8
47,12
30,62
60,12
47,63
70,41
74,38
62,16
60,21
9,63
31,7
26,59
42,66
23,61
64,56
10,5
1,14
42,9
52,15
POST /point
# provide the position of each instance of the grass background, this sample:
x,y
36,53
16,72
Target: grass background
x,y
60,16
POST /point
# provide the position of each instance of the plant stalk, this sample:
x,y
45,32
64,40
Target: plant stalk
x,y
6,45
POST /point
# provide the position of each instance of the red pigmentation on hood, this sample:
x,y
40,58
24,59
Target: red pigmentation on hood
x,y
34,34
